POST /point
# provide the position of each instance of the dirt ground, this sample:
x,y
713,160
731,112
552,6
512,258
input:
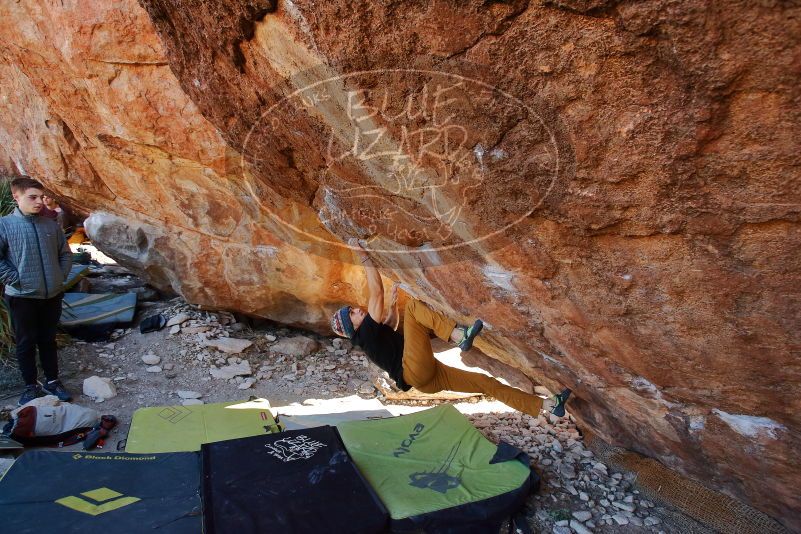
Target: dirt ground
x,y
577,494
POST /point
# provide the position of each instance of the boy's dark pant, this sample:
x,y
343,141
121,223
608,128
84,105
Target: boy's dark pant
x,y
35,322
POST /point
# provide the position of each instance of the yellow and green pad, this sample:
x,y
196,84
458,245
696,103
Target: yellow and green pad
x,y
433,467
186,428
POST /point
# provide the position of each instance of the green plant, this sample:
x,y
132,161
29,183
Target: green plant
x,y
6,334
560,515
7,205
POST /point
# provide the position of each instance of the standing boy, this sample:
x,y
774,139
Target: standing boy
x,y
34,263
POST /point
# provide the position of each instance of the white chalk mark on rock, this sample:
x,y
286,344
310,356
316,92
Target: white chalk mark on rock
x,y
499,277
750,425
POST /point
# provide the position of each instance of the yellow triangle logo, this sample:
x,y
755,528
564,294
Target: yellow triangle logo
x,y
105,500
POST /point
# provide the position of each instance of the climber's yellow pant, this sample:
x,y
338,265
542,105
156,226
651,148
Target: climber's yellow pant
x,y
425,373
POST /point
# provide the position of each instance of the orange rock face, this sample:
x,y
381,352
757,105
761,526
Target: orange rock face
x,y
613,186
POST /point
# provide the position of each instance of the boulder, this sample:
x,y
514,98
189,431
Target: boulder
x,y
188,394
99,387
610,185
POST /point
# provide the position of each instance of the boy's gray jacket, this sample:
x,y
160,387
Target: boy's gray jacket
x,y
35,259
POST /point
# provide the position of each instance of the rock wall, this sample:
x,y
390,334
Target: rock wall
x,y
94,111
614,186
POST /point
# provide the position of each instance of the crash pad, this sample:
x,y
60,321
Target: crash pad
x,y
185,428
76,273
8,444
298,481
80,493
432,469
81,309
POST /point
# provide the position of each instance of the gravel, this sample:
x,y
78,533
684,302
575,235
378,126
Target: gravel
x,y
579,493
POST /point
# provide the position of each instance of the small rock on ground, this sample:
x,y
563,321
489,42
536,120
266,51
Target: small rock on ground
x,y
99,388
296,346
151,359
229,345
178,319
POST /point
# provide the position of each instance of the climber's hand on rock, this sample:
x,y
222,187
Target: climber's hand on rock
x,y
358,245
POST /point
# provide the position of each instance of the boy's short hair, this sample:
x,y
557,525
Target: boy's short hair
x,y
21,184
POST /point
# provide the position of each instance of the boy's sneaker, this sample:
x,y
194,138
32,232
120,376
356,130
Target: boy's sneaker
x,y
470,334
31,392
559,403
55,387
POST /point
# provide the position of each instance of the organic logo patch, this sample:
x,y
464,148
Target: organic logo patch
x,y
102,500
294,448
405,445
446,146
174,414
438,480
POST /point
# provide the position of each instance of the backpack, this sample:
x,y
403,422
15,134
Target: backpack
x,y
57,425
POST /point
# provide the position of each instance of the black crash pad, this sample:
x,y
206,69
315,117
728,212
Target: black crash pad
x,y
297,481
82,493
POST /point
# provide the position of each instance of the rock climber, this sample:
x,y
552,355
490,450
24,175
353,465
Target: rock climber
x,y
409,357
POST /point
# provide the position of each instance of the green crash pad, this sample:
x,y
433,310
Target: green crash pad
x,y
186,428
433,466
